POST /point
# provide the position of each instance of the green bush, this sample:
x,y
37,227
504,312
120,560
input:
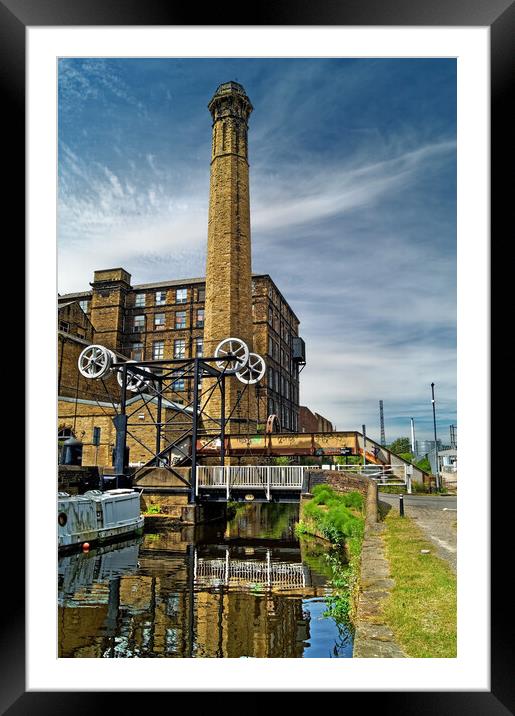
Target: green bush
x,y
282,460
332,514
152,510
424,464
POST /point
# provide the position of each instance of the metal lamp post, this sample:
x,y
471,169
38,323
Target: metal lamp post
x,y
436,443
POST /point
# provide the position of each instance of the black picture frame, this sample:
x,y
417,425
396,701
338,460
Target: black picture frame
x,y
15,17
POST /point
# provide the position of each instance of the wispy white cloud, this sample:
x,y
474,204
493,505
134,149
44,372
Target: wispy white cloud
x,y
356,230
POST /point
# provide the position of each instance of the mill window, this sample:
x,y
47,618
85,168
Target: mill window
x,y
137,351
158,350
139,324
159,321
179,348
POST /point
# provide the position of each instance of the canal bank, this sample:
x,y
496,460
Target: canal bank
x,y
366,580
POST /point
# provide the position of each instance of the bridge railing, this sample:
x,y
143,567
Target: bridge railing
x,y
238,573
383,474
267,477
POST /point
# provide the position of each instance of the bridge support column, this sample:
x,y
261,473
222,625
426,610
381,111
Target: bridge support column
x,y
194,431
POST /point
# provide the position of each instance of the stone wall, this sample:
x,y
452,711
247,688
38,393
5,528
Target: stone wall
x,y
70,382
338,480
346,482
76,480
83,416
343,482
110,288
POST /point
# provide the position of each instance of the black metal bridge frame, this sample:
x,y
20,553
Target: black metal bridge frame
x,y
174,370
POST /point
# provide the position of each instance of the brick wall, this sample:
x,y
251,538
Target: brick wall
x,y
82,417
228,271
340,481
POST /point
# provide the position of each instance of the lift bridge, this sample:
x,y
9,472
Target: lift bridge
x,y
194,435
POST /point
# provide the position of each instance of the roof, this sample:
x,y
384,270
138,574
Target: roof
x,y
73,337
176,282
80,294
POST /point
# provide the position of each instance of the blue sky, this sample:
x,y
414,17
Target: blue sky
x,y
353,205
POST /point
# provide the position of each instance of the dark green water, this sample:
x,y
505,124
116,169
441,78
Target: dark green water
x,y
245,588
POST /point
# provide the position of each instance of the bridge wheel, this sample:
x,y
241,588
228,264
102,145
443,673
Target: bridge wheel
x,y
253,371
95,361
133,382
235,347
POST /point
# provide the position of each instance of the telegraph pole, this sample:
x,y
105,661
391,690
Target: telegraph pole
x,y
381,421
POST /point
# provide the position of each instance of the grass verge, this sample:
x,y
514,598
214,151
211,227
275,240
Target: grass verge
x,y
421,610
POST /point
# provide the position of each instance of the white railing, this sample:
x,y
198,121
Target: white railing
x,y
241,573
266,477
384,474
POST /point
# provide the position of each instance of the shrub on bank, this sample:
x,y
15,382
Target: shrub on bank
x,y
339,517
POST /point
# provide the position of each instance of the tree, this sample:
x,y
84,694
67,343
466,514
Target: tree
x,y
401,445
424,464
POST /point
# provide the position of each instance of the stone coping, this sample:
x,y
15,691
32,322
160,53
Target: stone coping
x,y
373,638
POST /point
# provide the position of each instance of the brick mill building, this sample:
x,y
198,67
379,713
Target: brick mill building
x,y
182,318
166,320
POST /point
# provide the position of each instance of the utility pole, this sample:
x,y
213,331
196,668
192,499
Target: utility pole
x,y
364,445
413,436
381,420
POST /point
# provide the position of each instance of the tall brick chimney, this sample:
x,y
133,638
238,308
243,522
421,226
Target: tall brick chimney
x,y
228,311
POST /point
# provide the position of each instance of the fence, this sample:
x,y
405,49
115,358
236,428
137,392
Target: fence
x,y
383,474
266,477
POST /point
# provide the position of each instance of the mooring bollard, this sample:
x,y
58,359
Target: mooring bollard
x,y
401,505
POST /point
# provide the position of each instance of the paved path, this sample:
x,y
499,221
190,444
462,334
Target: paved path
x,y
436,517
373,637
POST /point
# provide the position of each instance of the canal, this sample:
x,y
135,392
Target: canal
x,y
244,587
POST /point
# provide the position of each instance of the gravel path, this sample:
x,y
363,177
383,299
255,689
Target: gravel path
x,y
436,517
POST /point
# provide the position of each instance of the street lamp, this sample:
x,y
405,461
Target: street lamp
x,y
436,444
413,437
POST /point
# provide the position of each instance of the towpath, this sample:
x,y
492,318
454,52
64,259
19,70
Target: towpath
x,y
437,518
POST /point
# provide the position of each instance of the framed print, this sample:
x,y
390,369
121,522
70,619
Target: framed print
x,y
60,40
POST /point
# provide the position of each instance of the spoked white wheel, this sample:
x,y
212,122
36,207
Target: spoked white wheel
x,y
95,361
234,347
253,371
133,381
148,382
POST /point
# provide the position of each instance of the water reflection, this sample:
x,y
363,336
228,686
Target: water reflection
x,y
235,590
